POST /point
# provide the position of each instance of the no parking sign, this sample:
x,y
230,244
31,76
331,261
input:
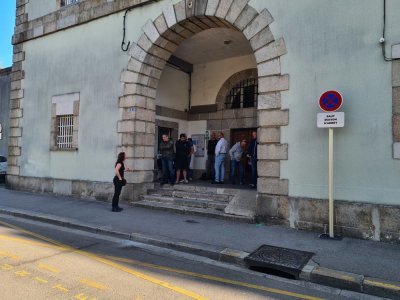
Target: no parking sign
x,y
330,102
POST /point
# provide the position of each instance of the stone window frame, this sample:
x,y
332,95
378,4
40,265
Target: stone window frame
x,y
230,83
62,105
61,3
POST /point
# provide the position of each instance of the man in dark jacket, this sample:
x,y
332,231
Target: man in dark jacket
x,y
166,149
211,156
253,159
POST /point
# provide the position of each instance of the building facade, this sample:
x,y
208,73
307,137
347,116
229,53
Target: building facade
x,y
95,77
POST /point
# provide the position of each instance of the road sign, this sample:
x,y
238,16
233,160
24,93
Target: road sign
x,y
330,120
330,101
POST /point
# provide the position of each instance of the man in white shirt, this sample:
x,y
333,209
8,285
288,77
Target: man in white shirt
x,y
220,153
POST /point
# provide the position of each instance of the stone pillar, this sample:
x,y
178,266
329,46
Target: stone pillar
x,y
16,96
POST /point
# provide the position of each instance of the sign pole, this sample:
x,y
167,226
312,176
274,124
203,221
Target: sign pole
x,y
330,178
330,102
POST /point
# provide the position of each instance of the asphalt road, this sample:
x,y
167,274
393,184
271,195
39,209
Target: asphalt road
x,y
41,261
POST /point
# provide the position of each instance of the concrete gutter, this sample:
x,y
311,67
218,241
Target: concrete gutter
x,y
310,273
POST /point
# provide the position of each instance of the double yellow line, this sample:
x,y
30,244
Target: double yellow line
x,y
107,261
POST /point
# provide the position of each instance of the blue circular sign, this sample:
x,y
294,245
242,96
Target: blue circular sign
x,y
330,101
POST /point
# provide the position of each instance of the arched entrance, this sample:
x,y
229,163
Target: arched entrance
x,y
149,55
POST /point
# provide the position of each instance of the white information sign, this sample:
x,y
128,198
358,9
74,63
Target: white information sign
x,y
330,120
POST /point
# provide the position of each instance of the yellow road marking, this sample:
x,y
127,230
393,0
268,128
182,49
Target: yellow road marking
x,y
83,297
104,261
41,280
382,284
60,288
22,273
214,278
34,243
6,267
135,273
6,254
48,268
93,284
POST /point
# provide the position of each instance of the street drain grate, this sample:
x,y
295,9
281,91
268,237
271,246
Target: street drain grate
x,y
278,261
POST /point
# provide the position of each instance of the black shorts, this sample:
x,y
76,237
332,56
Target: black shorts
x,y
181,163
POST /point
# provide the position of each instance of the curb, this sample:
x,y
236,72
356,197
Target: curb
x,y
311,272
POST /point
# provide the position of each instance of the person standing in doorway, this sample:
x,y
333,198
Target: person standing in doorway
x,y
212,143
166,149
253,159
183,151
236,154
119,181
220,154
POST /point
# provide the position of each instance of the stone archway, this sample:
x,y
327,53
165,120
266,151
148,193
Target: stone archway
x,y
159,40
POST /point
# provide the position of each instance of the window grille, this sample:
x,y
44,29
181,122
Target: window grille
x,y
65,128
68,2
242,95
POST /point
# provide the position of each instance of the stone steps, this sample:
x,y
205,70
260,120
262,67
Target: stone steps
x,y
187,194
199,203
192,200
192,211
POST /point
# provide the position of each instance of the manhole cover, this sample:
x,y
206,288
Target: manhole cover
x,y
283,260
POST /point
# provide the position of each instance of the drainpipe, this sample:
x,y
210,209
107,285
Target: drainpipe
x,y
190,90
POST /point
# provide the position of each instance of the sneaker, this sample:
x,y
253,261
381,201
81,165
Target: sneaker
x,y
182,181
185,181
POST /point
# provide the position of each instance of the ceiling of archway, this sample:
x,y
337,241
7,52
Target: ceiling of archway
x,y
209,45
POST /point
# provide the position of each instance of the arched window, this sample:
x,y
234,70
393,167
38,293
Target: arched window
x,y
242,95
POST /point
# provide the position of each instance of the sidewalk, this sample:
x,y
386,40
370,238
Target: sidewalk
x,y
366,258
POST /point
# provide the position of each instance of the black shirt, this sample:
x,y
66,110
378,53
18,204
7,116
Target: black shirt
x,y
182,148
121,170
211,146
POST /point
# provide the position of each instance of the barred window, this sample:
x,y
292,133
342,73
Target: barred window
x,y
64,122
242,95
65,130
68,2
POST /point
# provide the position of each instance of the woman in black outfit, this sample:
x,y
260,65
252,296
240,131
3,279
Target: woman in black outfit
x,y
119,181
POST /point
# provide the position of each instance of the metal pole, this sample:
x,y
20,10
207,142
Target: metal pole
x,y
331,234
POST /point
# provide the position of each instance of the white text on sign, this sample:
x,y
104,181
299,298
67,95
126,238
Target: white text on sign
x,y
330,120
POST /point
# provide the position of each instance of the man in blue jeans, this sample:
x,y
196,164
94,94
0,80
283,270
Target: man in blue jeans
x,y
236,154
220,153
166,149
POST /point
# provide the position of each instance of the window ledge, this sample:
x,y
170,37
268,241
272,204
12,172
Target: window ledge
x,y
63,149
